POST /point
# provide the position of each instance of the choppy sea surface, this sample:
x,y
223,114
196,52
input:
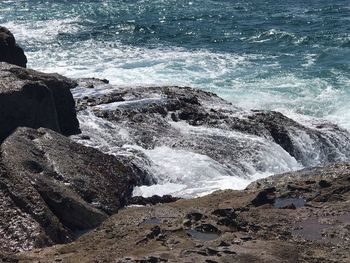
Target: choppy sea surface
x,y
290,56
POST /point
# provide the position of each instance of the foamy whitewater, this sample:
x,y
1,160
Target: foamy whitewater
x,y
289,56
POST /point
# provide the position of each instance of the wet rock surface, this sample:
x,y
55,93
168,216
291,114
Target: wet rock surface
x,y
153,200
193,230
10,52
34,99
200,122
51,187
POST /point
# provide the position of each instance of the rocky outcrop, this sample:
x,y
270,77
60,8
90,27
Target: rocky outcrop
x,y
305,218
10,52
34,99
243,142
318,143
51,187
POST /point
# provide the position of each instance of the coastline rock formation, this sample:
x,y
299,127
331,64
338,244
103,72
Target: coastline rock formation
x,y
33,99
305,219
197,121
10,52
55,191
51,187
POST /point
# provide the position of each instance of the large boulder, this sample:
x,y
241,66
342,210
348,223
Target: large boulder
x,y
52,187
9,51
34,99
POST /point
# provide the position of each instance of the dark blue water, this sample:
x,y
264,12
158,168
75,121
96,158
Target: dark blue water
x,y
292,56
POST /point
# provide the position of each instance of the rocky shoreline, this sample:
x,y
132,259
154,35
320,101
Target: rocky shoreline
x,y
298,220
63,201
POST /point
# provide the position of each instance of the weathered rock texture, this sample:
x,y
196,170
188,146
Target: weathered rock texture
x,y
10,52
305,218
32,99
51,187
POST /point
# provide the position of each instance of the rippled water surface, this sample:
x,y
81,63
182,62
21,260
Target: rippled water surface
x,y
291,56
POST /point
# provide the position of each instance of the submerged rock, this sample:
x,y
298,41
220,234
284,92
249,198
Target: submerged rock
x,y
10,52
235,142
34,99
51,186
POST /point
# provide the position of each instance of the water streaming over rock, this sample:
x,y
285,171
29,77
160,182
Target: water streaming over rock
x,y
290,56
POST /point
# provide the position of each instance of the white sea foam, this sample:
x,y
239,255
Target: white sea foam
x,y
188,174
183,172
269,158
341,116
240,78
42,30
309,60
103,135
126,65
272,34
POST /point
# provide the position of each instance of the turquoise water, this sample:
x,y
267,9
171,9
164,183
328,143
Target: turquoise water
x,y
291,56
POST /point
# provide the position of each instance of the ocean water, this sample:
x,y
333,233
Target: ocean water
x,y
290,56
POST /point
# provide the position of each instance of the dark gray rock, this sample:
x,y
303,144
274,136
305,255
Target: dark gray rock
x,y
10,52
243,142
153,200
33,99
51,186
266,196
323,143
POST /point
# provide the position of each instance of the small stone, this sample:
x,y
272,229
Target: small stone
x,y
289,206
246,238
227,212
155,231
266,196
324,184
195,216
224,244
207,228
